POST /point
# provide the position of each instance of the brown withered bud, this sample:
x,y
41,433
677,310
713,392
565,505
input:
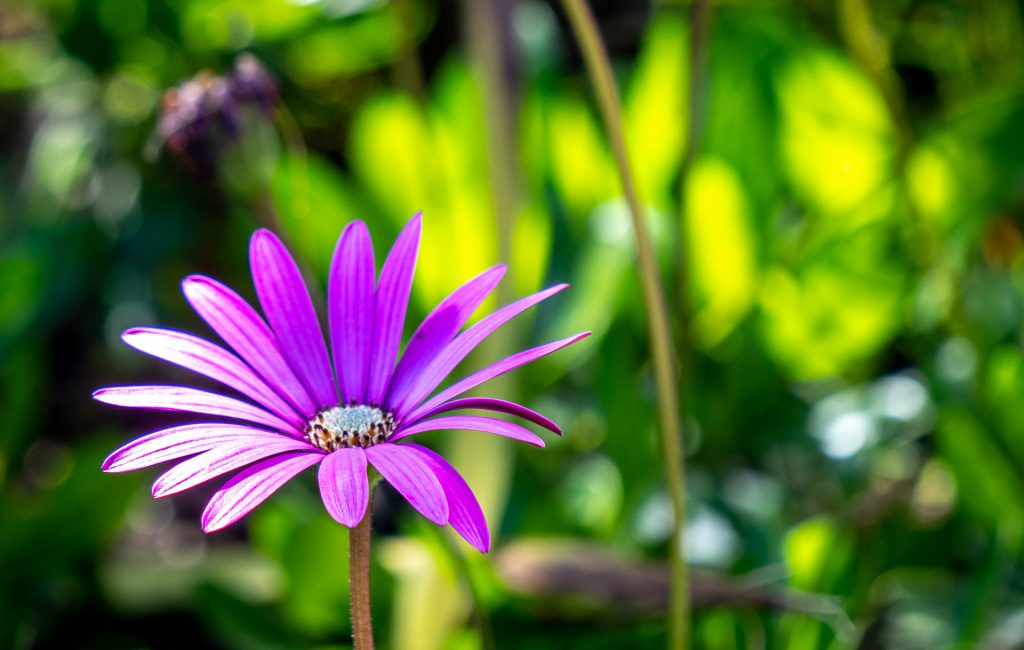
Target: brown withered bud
x,y
202,115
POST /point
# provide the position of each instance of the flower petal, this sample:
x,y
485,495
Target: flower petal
x,y
190,400
251,487
289,310
492,371
350,307
473,423
435,372
409,473
211,360
174,443
241,327
343,485
464,512
496,405
225,458
436,332
392,301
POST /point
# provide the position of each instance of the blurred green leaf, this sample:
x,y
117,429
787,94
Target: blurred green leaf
x,y
655,109
989,482
833,311
816,552
719,249
234,24
314,202
837,140
241,625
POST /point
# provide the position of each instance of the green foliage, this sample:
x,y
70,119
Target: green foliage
x,y
845,267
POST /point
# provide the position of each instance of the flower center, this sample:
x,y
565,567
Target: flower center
x,y
350,426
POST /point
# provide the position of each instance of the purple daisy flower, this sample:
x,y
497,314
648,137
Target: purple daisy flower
x,y
301,412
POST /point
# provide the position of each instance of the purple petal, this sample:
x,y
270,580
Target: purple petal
x,y
343,485
492,404
350,306
464,513
251,487
211,360
392,301
289,309
190,400
409,473
473,423
492,371
453,354
225,458
436,332
241,327
174,443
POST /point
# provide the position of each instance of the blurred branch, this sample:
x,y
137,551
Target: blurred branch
x,y
663,357
586,580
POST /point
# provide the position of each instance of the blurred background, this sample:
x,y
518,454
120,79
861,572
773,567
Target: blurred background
x,y
836,192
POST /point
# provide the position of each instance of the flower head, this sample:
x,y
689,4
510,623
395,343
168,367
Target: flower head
x,y
203,115
300,409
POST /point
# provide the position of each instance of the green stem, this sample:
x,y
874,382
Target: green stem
x,y
266,214
700,25
485,628
871,49
298,156
488,28
490,40
359,583
408,67
663,358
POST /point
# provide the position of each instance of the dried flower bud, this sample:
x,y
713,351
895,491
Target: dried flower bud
x,y
251,83
204,115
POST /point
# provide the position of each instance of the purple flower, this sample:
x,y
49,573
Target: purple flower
x,y
302,410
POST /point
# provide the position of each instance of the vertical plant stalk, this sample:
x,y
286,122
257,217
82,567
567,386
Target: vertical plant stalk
x,y
663,358
872,50
298,155
488,27
266,214
488,30
359,582
700,25
408,69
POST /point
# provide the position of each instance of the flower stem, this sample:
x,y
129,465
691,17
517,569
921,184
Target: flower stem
x,y
359,583
700,28
266,214
408,69
663,357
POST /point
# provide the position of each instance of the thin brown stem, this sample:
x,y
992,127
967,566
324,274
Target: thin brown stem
x,y
297,160
359,583
663,357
